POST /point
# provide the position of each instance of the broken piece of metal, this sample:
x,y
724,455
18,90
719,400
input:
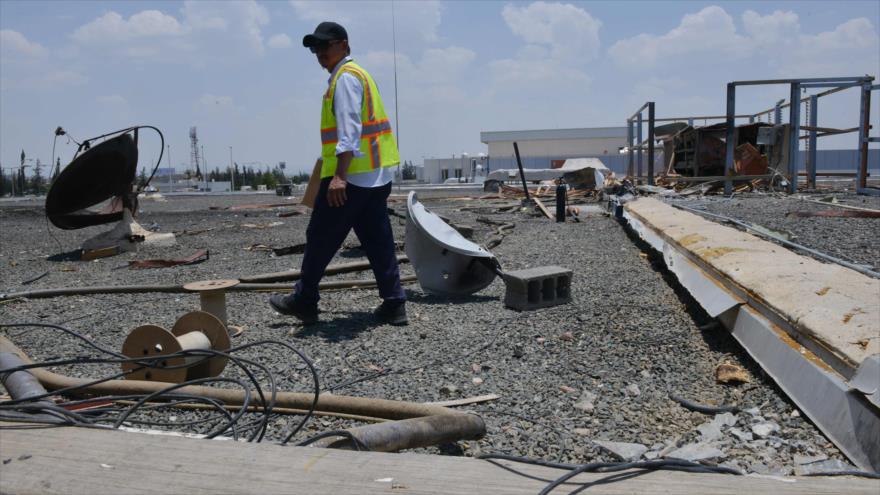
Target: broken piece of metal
x,y
196,330
392,436
200,255
445,262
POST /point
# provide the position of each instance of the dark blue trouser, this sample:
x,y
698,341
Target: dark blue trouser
x,y
366,212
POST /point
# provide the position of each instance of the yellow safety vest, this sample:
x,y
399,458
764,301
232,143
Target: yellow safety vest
x,y
377,142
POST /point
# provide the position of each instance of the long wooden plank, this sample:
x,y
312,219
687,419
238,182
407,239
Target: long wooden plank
x,y
75,460
542,207
830,304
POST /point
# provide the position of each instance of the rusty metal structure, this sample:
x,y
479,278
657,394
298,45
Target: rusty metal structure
x,y
700,146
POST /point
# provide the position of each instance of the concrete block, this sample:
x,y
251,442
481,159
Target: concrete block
x,y
538,287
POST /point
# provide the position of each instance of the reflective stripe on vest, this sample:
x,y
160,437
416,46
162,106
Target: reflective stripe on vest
x,y
377,141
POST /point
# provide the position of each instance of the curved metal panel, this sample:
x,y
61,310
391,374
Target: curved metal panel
x,y
444,261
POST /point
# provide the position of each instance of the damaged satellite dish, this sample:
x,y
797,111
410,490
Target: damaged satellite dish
x,y
445,262
98,173
103,172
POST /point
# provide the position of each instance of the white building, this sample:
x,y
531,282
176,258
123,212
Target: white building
x,y
542,148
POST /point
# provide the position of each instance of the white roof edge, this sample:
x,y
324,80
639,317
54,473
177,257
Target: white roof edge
x,y
546,134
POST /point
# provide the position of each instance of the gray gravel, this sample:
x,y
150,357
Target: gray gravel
x,y
598,369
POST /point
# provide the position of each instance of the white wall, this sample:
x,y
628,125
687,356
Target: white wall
x,y
561,147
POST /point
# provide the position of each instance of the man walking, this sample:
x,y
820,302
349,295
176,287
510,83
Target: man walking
x,y
357,150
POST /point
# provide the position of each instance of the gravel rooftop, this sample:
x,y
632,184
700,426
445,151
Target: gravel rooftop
x,y
599,369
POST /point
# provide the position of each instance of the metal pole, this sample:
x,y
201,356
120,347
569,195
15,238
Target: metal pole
x,y
811,157
777,113
522,174
231,170
629,147
730,144
794,117
639,145
171,174
864,124
651,143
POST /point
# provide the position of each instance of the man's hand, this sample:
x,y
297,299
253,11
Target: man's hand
x,y
336,192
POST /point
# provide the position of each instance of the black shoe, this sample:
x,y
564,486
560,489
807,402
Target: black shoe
x,y
392,313
289,305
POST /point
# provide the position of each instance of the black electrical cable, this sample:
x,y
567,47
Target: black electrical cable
x,y
358,445
607,467
314,372
85,144
703,408
862,474
85,418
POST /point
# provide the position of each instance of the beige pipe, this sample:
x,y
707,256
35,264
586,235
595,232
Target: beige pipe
x,y
138,289
378,408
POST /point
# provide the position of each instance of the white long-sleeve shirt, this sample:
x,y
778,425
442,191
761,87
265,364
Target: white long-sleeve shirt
x,y
347,103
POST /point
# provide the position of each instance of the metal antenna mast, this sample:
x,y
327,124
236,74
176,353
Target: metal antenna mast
x,y
194,159
396,116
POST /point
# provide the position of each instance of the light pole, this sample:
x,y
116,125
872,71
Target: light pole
x,y
231,170
170,171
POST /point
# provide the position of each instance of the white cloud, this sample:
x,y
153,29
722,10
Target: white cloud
x,y
778,27
568,31
438,73
233,21
13,43
560,39
279,41
775,42
203,30
113,28
370,21
710,30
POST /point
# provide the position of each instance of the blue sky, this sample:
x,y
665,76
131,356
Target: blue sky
x,y
238,72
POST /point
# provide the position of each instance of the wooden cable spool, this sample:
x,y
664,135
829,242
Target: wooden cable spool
x,y
196,330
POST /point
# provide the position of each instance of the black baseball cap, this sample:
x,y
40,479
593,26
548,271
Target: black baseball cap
x,y
325,32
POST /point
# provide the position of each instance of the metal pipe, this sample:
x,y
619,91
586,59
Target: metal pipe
x,y
811,158
650,143
140,289
392,436
289,275
522,174
864,125
794,118
759,82
639,140
729,145
629,145
784,242
21,385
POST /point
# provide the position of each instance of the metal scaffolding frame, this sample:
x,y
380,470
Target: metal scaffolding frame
x,y
637,116
835,84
